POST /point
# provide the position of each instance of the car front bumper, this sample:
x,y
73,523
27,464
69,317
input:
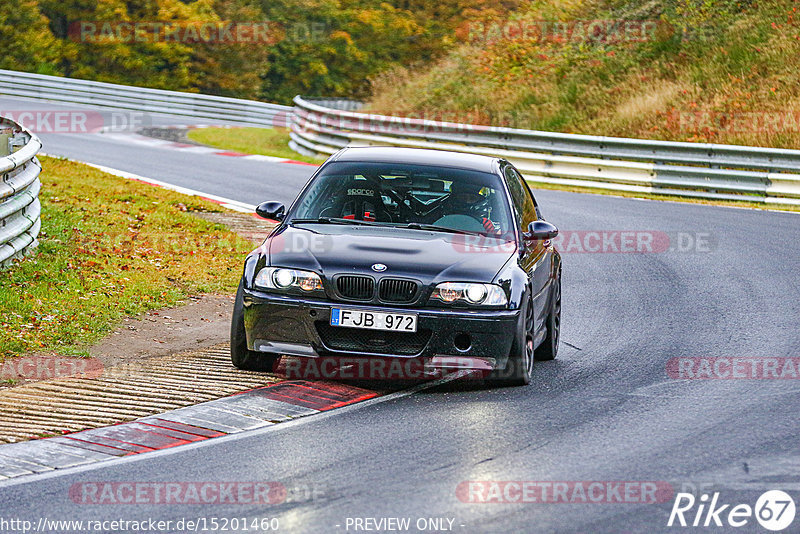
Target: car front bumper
x,y
293,326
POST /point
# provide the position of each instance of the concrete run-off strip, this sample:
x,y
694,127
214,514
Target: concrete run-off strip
x,y
155,405
121,393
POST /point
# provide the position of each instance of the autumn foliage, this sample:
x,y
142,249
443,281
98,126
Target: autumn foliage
x,y
315,47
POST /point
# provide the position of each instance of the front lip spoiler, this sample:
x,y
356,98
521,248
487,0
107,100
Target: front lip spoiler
x,y
440,365
434,363
449,362
304,350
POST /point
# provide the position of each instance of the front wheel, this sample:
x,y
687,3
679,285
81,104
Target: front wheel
x,y
241,356
549,347
519,366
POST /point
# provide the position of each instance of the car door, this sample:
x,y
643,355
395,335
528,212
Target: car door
x,y
535,256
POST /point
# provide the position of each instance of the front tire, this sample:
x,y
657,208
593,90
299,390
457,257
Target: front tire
x,y
519,366
548,350
241,356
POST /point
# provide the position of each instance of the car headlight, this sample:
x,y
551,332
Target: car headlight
x,y
281,278
471,293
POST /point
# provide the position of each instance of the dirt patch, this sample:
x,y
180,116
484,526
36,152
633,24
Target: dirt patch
x,y
202,322
174,134
248,226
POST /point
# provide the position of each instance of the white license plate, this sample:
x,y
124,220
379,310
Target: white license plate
x,y
396,322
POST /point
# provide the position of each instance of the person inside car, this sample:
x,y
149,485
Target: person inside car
x,y
466,202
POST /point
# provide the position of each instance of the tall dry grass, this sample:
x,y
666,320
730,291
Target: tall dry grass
x,y
724,72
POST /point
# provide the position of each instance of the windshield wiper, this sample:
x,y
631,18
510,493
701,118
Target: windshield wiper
x,y
435,228
413,225
335,220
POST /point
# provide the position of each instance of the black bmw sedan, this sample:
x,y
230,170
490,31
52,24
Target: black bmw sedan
x,y
402,253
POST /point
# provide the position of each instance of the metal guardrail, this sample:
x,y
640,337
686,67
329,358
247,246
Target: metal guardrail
x,y
699,170
724,172
19,191
142,99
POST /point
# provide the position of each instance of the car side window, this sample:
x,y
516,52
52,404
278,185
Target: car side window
x,y
524,205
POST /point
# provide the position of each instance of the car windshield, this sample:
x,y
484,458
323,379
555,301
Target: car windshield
x,y
418,196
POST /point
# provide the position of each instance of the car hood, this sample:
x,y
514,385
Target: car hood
x,y
430,257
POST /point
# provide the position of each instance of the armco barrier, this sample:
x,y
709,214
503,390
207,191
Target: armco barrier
x,y
19,191
130,98
723,172
323,126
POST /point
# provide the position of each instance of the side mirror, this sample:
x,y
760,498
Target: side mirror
x,y
540,231
271,210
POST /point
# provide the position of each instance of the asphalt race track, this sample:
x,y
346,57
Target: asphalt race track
x,y
606,410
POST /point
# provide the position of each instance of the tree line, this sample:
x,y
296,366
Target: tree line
x,y
264,49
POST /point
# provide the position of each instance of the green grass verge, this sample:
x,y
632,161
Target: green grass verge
x,y
109,248
264,141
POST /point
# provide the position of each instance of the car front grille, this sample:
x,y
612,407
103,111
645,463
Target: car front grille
x,y
372,341
398,291
355,287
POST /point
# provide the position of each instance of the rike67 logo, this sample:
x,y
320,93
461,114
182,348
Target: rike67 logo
x,y
774,510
